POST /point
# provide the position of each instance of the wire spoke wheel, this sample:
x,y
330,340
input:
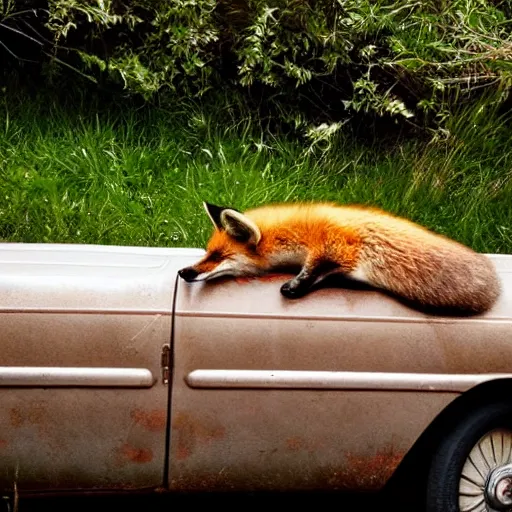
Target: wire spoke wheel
x,y
486,477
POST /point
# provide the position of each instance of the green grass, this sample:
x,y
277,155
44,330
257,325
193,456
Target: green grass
x,y
137,177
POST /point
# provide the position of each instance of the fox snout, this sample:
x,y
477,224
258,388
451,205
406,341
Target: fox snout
x,y
188,274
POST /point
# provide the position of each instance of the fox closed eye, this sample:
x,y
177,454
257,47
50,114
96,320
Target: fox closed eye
x,y
215,256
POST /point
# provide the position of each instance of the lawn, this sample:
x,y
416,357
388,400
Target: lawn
x,y
75,172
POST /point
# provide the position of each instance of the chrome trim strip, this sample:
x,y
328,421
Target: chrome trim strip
x,y
34,376
81,311
381,381
505,320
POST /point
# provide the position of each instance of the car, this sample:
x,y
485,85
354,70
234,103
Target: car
x,y
117,376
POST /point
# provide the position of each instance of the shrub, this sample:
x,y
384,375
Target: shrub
x,y
317,62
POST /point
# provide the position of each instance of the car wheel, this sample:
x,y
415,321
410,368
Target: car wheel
x,y
471,470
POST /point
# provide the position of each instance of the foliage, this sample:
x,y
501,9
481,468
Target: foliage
x,y
312,62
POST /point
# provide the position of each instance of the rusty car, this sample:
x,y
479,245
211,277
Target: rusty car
x,y
117,376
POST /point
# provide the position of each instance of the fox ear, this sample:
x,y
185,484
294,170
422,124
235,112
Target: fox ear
x,y
214,213
239,226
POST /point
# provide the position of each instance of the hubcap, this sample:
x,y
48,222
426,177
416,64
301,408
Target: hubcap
x,y
498,491
486,479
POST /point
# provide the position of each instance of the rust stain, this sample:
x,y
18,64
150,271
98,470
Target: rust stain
x,y
37,415
367,472
137,455
207,482
353,472
153,421
267,277
16,417
357,473
3,443
275,277
294,444
192,432
182,452
244,280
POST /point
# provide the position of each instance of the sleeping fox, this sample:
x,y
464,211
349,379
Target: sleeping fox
x,y
362,243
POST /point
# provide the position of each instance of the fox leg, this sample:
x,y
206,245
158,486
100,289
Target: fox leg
x,y
313,271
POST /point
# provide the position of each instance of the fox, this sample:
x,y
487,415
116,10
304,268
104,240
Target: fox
x,y
362,243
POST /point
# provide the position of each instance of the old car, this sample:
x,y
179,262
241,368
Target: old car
x,y
118,376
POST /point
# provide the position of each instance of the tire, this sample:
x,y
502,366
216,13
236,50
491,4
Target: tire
x,y
478,436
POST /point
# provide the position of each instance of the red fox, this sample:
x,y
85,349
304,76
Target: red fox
x,y
362,243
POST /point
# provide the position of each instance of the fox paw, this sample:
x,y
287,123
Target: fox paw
x,y
290,290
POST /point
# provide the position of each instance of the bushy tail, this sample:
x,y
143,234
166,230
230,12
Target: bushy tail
x,y
451,278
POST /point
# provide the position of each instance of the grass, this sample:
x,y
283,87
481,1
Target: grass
x,y
122,176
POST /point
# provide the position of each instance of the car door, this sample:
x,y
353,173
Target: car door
x,y
83,402
327,391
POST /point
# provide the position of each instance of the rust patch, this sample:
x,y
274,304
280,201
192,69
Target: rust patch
x,y
3,443
206,481
294,444
357,473
182,452
153,421
16,418
367,472
137,455
192,432
33,416
36,415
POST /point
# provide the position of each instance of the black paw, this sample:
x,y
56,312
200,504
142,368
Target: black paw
x,y
292,291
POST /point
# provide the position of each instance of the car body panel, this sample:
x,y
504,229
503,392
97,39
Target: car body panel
x,y
84,313
328,391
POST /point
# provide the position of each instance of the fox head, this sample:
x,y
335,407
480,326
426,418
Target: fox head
x,y
232,249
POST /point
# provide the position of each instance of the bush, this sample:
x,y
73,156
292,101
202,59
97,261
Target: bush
x,y
317,62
